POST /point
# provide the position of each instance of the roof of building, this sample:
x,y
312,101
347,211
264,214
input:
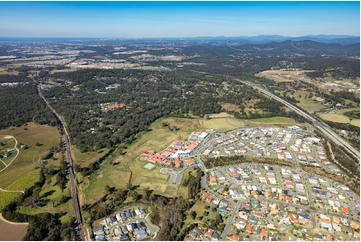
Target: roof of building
x,y
209,233
249,228
234,238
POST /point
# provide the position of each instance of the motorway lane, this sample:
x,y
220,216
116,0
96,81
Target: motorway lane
x,y
320,125
324,128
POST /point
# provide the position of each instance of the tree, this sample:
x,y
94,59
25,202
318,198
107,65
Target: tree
x,y
107,189
148,193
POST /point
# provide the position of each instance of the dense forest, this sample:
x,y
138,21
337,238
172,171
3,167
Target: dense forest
x,y
187,90
21,104
146,95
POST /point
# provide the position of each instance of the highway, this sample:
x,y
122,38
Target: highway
x,y
72,179
324,128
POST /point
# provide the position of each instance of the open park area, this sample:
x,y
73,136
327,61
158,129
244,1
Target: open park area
x,y
22,170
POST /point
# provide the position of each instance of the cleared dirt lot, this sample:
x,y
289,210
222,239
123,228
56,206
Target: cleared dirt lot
x,y
284,75
10,231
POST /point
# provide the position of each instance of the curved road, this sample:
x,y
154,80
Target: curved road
x,y
15,147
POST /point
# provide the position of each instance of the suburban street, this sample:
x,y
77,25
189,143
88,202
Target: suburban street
x,y
230,220
324,128
236,202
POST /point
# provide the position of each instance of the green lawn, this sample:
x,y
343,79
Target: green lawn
x,y
53,193
24,182
6,144
7,197
85,159
221,124
273,120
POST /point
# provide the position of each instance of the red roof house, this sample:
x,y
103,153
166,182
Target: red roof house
x,y
249,228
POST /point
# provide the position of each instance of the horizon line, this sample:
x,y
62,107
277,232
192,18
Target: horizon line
x,y
180,37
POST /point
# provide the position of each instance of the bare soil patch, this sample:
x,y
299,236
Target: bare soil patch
x,y
284,75
10,231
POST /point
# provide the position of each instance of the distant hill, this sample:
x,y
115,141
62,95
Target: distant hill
x,y
340,39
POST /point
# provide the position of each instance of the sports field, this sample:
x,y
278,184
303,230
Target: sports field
x,y
149,166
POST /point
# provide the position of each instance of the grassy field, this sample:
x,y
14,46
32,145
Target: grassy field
x,y
338,118
7,197
6,144
220,115
355,122
127,168
130,168
221,124
249,106
308,104
273,120
29,135
85,159
22,173
22,182
199,208
12,231
52,194
6,71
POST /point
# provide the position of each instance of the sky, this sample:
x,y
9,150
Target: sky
x,y
177,19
